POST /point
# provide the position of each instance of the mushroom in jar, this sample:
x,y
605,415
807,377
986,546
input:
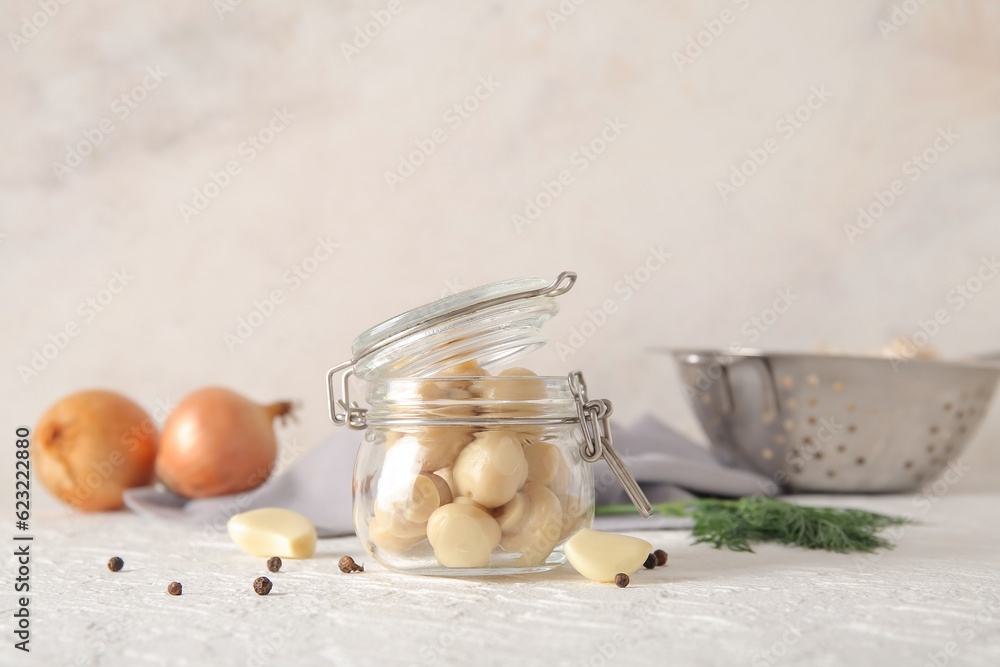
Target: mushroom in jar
x,y
544,461
531,523
462,535
431,447
382,531
491,468
415,504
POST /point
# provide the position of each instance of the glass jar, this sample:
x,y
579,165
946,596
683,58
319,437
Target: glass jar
x,y
461,472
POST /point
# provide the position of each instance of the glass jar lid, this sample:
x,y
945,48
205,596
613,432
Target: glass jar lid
x,y
494,322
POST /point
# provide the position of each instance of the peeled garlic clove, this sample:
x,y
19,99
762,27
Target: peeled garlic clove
x,y
544,460
462,535
491,468
600,556
271,531
533,525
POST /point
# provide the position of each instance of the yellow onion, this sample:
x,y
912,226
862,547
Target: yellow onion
x,y
91,446
217,442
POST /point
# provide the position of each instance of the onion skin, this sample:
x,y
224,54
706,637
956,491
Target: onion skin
x,y
217,442
91,446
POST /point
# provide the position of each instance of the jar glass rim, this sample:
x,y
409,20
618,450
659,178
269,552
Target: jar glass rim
x,y
416,316
447,400
494,322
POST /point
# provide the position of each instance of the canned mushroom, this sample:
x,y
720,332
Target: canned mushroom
x,y
462,471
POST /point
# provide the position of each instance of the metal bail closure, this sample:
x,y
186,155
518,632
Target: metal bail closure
x,y
597,443
350,414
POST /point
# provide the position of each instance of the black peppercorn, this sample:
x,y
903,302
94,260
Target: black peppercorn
x,y
273,564
347,564
262,585
661,556
116,564
621,580
650,562
174,588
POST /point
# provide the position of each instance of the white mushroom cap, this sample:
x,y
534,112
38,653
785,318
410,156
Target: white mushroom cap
x,y
544,460
469,368
426,493
431,447
382,532
465,500
531,521
399,525
462,535
518,384
491,468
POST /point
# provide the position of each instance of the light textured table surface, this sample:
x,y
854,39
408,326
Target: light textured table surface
x,y
938,591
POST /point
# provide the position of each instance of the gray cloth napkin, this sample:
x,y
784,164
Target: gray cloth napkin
x,y
667,465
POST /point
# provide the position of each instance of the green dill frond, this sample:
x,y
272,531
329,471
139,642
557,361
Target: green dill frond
x,y
738,524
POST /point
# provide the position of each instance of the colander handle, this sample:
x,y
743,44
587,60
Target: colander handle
x,y
768,387
763,368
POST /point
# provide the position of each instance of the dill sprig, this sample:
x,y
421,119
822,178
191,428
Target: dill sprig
x,y
737,524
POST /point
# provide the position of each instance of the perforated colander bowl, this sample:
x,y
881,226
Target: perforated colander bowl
x,y
834,423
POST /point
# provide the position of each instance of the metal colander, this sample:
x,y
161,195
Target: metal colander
x,y
832,423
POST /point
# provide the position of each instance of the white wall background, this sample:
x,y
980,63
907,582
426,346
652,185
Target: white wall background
x,y
450,222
